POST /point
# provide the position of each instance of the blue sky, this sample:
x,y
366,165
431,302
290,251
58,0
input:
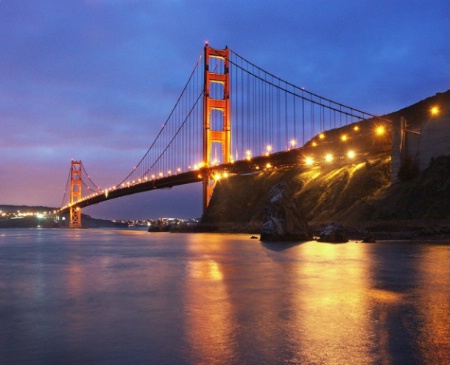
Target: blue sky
x,y
94,80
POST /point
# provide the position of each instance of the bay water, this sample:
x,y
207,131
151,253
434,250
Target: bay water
x,y
98,296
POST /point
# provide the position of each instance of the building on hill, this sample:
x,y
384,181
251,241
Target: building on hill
x,y
420,132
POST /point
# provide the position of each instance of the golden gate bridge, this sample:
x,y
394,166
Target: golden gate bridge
x,y
232,117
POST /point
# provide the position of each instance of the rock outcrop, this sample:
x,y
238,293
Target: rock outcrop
x,y
282,221
334,233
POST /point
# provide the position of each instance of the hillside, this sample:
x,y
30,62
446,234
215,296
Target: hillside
x,y
358,194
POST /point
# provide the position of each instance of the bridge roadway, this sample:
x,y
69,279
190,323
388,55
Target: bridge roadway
x,y
254,165
283,159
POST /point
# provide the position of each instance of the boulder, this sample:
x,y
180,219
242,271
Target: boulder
x,y
334,233
282,221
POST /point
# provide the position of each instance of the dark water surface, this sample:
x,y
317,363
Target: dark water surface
x,y
132,297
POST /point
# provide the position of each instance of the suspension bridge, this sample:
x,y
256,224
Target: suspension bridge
x,y
232,117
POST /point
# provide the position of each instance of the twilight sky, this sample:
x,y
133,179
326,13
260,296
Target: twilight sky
x,y
94,80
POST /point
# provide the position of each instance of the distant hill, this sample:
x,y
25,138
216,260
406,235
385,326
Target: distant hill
x,y
24,216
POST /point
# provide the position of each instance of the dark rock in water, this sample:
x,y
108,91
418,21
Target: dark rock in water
x,y
282,221
334,233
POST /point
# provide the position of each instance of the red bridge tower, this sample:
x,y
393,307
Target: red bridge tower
x,y
216,112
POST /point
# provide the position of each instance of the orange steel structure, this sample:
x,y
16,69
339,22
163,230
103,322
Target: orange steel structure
x,y
216,126
75,194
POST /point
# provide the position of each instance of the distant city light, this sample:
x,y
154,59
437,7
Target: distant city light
x,y
321,136
434,110
351,154
356,128
309,161
344,138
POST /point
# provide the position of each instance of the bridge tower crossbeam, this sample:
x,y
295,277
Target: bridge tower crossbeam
x,y
215,131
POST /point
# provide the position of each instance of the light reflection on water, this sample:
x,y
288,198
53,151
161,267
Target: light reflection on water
x,y
116,297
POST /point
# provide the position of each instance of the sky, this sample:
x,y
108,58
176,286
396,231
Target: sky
x,y
94,80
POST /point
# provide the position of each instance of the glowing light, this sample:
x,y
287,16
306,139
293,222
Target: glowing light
x,y
309,161
216,176
356,128
293,143
248,154
344,138
321,136
351,154
160,174
225,174
268,165
314,144
379,131
434,110
328,157
268,149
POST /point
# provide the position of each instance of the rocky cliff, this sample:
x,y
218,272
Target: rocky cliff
x,y
358,195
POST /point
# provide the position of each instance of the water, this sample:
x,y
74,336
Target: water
x,y
132,297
